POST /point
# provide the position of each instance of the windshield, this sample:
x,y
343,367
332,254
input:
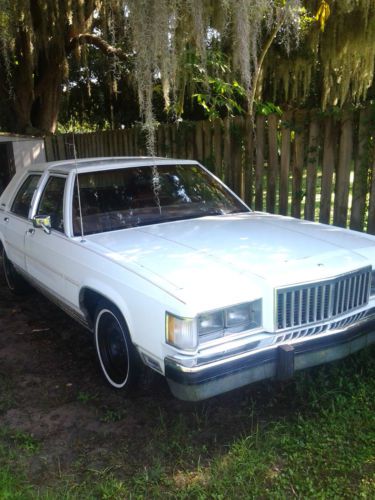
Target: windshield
x,y
138,196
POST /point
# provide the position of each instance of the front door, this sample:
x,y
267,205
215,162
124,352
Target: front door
x,y
45,253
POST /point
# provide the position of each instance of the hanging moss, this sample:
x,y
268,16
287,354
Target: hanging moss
x,y
340,58
259,37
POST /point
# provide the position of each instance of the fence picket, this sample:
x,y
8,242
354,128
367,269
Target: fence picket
x,y
273,162
227,153
248,161
361,168
371,208
217,147
328,168
243,153
298,164
343,171
207,142
312,167
199,142
284,163
259,167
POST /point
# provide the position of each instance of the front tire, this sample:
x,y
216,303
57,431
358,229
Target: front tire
x,y
118,358
14,280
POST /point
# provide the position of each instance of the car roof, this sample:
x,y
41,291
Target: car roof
x,y
106,163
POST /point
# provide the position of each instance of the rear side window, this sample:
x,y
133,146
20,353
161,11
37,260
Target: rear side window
x,y
22,201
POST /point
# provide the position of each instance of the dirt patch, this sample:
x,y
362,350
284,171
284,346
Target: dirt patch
x,y
52,391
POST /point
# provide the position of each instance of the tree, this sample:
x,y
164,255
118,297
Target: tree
x,y
39,36
37,39
146,41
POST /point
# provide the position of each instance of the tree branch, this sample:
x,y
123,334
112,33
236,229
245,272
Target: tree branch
x,y
265,49
98,42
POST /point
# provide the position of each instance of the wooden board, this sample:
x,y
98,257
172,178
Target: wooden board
x,y
273,163
343,171
259,165
284,163
312,167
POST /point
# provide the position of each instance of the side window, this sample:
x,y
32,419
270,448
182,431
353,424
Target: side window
x,y
52,201
22,201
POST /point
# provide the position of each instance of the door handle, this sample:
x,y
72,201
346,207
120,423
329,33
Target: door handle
x,y
31,230
6,219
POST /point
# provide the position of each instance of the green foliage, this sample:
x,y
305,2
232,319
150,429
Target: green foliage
x,y
268,108
81,126
215,93
221,95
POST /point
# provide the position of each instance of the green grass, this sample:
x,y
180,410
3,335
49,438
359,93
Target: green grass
x,y
313,437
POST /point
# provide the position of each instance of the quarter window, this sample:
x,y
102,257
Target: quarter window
x,y
52,202
22,201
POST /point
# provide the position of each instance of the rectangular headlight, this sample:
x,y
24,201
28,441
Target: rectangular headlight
x,y
244,316
181,332
211,322
234,319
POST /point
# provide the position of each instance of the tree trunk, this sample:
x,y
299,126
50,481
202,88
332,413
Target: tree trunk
x,y
45,109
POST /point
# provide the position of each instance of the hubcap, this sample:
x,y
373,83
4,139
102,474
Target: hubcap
x,y
112,348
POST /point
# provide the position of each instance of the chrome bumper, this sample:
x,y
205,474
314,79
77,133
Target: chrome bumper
x,y
194,383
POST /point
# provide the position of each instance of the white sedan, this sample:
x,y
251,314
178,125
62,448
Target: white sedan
x,y
170,269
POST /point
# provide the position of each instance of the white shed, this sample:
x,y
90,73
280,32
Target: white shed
x,y
17,152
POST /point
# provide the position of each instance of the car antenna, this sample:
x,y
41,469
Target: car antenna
x,y
78,190
155,180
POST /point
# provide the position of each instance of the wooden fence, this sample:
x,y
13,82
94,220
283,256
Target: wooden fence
x,y
303,163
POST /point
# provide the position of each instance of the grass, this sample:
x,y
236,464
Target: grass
x,y
313,437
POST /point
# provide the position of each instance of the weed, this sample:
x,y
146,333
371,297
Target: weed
x,y
113,415
84,397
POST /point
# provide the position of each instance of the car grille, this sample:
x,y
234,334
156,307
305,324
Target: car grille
x,y
308,304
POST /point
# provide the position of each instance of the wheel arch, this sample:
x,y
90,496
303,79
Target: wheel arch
x,y
89,298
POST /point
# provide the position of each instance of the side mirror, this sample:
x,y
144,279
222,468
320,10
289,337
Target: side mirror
x,y
43,221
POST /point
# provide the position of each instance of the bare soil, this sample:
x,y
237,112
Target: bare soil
x,y
51,390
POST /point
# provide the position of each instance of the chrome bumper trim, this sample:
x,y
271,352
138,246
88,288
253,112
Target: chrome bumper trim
x,y
194,383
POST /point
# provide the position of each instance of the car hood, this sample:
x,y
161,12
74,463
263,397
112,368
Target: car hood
x,y
235,254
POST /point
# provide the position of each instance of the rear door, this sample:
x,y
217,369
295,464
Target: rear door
x,y
16,222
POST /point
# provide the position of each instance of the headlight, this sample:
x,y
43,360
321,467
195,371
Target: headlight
x,y
372,291
181,332
211,322
234,319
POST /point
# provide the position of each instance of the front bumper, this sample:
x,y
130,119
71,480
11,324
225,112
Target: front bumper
x,y
194,383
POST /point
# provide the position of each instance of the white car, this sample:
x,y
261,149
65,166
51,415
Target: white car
x,y
170,269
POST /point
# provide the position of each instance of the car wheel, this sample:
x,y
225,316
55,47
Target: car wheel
x,y
118,358
14,280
